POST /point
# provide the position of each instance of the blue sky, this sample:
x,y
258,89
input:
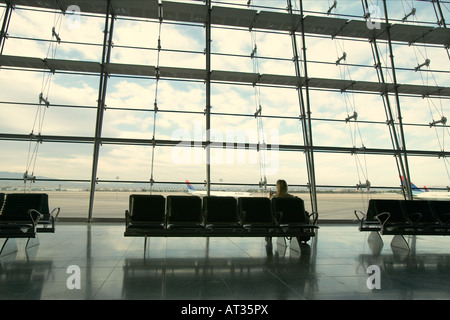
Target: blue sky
x,y
133,162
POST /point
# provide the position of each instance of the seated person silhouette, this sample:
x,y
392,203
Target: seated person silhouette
x,y
282,192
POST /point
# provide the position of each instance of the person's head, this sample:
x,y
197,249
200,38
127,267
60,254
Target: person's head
x,y
282,187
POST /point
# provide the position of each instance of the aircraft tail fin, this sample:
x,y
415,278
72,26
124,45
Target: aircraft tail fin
x,y
414,188
190,187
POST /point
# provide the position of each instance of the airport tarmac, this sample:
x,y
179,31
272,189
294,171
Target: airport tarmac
x,y
112,205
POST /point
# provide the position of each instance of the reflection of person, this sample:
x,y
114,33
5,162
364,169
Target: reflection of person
x,y
282,190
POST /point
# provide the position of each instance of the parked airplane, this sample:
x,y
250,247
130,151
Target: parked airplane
x,y
193,191
426,194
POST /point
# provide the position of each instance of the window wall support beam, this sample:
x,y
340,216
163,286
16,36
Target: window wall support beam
x,y
440,20
305,107
439,14
5,25
106,54
208,95
395,128
400,142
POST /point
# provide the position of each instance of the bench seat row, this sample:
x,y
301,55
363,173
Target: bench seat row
x,y
22,215
406,217
189,215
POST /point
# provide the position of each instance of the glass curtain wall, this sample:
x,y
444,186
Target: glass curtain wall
x,y
101,101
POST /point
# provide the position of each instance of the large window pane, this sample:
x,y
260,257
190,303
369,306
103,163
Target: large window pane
x,y
351,138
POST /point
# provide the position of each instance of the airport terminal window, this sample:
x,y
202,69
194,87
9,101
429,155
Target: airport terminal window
x,y
345,103
14,155
378,169
70,161
31,32
279,102
135,42
231,49
239,165
179,163
433,168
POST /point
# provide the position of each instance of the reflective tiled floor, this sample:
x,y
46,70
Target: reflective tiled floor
x,y
332,266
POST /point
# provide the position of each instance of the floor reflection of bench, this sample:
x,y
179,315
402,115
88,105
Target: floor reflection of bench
x,y
405,218
192,216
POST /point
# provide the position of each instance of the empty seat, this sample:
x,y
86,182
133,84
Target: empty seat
x,y
20,214
256,212
368,221
19,206
146,211
441,210
289,211
389,210
419,213
220,211
2,199
47,221
391,215
184,211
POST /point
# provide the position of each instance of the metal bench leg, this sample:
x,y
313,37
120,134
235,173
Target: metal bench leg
x,y
145,245
399,242
32,242
295,245
281,246
281,241
375,242
9,246
300,248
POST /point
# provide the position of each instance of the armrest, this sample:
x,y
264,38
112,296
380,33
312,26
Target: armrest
x,y
52,214
360,219
315,216
204,217
417,215
127,217
382,222
34,215
278,216
445,218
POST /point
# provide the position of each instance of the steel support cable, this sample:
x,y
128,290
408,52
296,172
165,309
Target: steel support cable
x,y
44,103
424,62
386,103
304,103
380,75
440,18
155,105
437,5
385,97
262,146
101,101
430,102
401,149
352,117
